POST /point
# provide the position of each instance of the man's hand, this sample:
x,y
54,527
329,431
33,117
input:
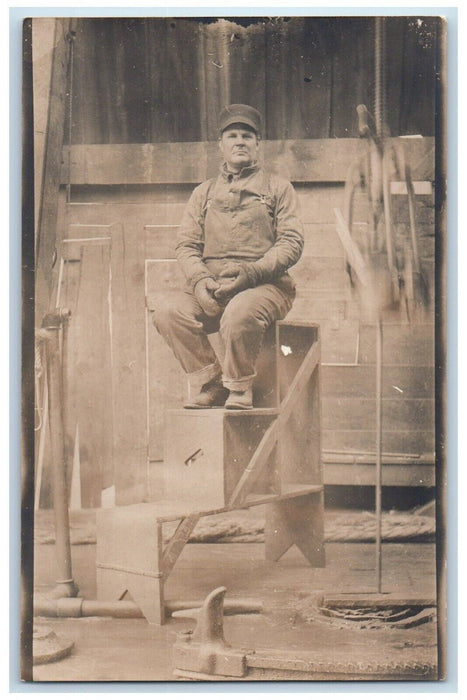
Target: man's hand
x,y
233,279
203,291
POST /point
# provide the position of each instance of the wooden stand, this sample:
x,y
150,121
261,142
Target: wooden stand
x,y
218,460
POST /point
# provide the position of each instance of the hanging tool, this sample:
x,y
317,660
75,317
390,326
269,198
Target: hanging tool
x,y
383,276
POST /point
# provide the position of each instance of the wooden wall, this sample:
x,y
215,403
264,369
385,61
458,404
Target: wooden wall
x,y
165,80
117,252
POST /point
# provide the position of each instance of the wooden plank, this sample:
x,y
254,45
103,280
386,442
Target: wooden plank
x,y
398,382
242,433
402,344
320,273
269,439
318,201
321,240
352,67
398,414
215,81
339,337
308,308
159,241
299,445
43,30
248,66
309,94
129,364
48,206
177,543
67,297
165,194
140,214
393,475
167,383
80,232
318,160
298,521
401,441
163,276
124,567
92,382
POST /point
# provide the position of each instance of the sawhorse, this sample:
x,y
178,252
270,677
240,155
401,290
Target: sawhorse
x,y
268,455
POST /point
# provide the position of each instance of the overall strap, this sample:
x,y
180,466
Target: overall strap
x,y
266,185
207,198
267,195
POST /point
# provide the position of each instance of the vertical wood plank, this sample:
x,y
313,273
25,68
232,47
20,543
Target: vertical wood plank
x,y
307,81
299,443
43,29
128,364
213,67
92,375
275,107
48,205
298,521
248,65
167,383
352,58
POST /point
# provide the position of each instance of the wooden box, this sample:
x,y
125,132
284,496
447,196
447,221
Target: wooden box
x,y
206,452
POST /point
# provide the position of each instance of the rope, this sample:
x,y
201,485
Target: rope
x,y
246,527
39,370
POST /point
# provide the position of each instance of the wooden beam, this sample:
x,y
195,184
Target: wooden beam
x,y
407,475
307,160
177,543
269,439
47,224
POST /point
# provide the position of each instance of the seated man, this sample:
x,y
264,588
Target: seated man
x,y
239,235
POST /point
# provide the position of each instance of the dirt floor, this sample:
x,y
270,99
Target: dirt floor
x,y
288,628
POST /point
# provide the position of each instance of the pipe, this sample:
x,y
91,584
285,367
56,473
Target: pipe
x,y
79,607
51,327
379,436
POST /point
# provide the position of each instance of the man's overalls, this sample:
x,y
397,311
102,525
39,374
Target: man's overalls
x,y
238,226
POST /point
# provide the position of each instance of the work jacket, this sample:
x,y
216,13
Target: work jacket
x,y
249,217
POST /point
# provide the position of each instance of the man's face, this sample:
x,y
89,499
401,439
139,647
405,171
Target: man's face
x,y
239,145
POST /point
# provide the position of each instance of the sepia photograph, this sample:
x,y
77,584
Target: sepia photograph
x,y
234,349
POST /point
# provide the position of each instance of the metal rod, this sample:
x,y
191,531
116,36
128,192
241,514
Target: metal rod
x,y
379,434
378,105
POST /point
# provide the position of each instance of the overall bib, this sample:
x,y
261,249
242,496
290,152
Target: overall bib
x,y
234,231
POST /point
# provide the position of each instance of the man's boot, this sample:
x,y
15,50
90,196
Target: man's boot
x,y
240,400
213,393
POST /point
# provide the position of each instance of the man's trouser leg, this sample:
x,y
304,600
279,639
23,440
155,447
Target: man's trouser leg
x,y
243,324
183,324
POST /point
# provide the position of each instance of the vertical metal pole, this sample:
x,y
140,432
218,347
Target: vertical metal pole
x,y
52,325
378,105
379,435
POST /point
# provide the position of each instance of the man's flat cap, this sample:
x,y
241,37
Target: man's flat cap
x,y
240,114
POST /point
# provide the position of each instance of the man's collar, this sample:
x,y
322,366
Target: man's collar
x,y
244,172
